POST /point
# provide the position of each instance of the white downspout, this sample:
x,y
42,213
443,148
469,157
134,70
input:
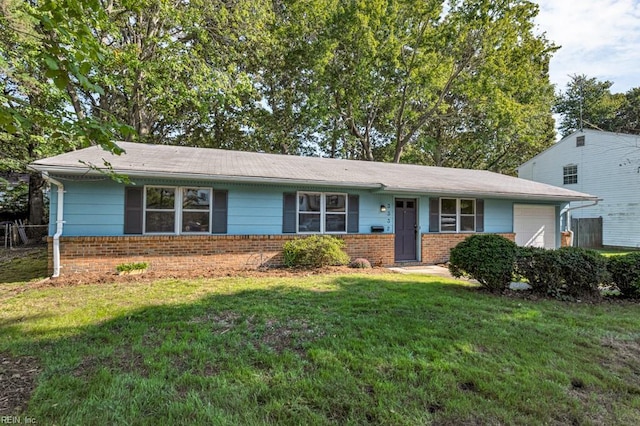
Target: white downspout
x,y
568,213
59,224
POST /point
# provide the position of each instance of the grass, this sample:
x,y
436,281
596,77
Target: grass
x,y
19,265
608,252
386,349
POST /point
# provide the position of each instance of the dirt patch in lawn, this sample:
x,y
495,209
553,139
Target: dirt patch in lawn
x,y
107,278
625,360
18,377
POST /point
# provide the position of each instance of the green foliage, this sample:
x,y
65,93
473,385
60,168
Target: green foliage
x,y
541,268
583,271
463,84
13,200
315,251
487,258
588,102
625,273
360,263
132,266
565,274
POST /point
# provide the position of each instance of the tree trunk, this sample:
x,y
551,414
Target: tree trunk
x,y
36,200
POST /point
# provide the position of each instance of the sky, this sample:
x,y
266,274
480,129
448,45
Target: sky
x,y
599,38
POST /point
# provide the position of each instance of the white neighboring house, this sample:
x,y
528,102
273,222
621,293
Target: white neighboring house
x,y
604,164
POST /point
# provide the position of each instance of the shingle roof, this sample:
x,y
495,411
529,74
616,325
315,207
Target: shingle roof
x,y
228,166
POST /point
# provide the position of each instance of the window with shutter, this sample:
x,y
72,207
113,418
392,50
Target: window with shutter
x,y
308,212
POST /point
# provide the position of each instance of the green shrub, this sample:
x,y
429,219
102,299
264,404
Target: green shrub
x,y
487,258
315,251
583,271
360,263
542,269
133,266
625,273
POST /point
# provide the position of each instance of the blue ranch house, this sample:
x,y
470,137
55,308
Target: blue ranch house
x,y
189,208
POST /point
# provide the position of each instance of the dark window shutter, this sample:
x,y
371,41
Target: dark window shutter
x,y
133,210
434,215
289,213
219,225
353,215
479,215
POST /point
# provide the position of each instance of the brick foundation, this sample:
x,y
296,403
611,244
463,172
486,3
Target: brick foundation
x,y
172,253
436,247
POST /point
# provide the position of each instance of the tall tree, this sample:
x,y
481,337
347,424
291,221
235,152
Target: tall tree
x,y
588,102
407,74
46,55
628,116
175,72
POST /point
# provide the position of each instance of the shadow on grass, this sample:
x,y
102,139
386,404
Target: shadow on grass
x,y
21,265
351,349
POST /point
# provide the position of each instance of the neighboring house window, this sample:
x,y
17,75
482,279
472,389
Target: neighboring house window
x,y
320,212
175,210
457,215
580,141
570,174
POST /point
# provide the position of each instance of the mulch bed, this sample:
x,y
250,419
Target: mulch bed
x,y
108,278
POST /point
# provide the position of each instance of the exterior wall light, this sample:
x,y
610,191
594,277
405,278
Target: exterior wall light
x,y
383,208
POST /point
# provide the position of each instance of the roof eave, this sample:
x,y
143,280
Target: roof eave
x,y
81,171
496,195
199,176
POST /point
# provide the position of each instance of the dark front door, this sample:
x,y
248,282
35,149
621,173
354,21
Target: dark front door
x,y
406,229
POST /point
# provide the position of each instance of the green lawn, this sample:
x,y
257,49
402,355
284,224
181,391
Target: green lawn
x,y
22,264
608,252
321,349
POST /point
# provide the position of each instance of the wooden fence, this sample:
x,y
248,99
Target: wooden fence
x,y
587,232
16,234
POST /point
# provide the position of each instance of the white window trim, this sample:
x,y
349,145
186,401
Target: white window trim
x,y
182,210
458,216
177,210
323,212
566,175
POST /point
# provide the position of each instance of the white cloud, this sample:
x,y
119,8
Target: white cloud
x,y
599,38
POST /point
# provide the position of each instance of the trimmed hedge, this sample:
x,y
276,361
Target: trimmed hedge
x,y
565,274
315,251
487,258
625,273
541,268
583,271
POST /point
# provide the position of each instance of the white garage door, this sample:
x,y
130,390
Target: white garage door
x,y
535,225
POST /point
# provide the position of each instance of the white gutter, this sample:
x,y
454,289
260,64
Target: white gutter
x,y
375,187
208,177
59,224
568,213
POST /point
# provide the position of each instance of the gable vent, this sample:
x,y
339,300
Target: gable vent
x,y
580,141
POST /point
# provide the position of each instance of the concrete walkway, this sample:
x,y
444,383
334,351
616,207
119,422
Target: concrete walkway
x,y
437,270
441,271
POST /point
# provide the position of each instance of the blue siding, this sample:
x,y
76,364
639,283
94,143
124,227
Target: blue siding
x,y
498,215
91,208
370,214
254,210
258,210
96,208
